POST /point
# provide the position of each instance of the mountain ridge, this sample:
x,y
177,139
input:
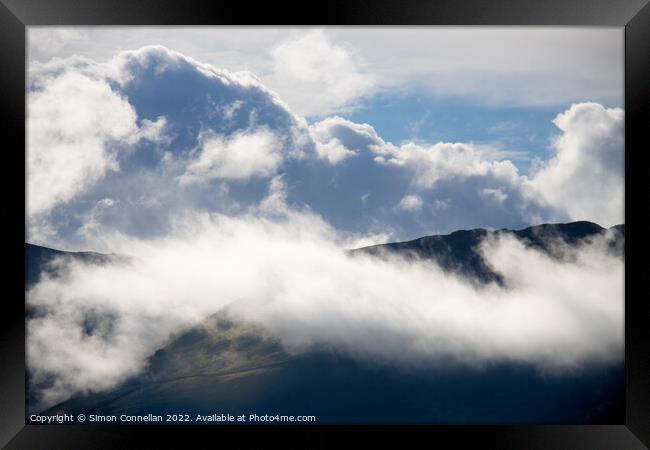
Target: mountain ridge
x,y
236,368
457,251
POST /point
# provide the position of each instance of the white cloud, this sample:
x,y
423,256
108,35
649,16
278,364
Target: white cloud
x,y
85,141
441,204
240,156
300,285
410,203
585,177
316,77
276,200
153,131
46,42
72,121
429,163
504,66
444,161
333,151
496,65
216,125
327,138
303,289
93,225
497,194
366,240
337,139
584,180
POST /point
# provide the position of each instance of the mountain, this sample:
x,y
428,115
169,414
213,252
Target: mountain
x,y
455,252
458,252
38,260
228,367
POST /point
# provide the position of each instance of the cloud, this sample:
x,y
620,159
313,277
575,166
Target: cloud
x,y
499,66
429,164
585,177
145,155
284,270
445,161
333,151
129,128
497,194
453,176
330,133
582,181
238,157
317,77
496,66
75,127
198,138
410,203
441,204
45,42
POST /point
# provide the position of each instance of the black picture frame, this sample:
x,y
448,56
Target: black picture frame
x,y
16,15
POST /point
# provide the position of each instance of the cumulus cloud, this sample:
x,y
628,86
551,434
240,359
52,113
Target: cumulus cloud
x,y
497,194
238,157
410,203
585,177
333,151
502,66
129,127
441,204
443,161
284,270
316,76
144,155
75,126
429,164
476,187
330,134
184,120
583,180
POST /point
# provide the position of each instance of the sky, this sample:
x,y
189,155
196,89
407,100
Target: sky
x,y
464,121
231,166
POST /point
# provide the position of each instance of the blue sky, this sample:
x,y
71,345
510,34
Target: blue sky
x,y
395,133
525,131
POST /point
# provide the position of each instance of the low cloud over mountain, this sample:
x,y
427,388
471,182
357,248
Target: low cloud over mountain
x,y
559,307
220,199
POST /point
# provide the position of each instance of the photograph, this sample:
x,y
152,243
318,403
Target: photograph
x,y
325,225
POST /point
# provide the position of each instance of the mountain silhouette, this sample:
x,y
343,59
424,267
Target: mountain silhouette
x,y
39,261
458,251
231,367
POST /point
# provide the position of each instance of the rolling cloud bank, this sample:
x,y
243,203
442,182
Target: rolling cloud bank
x,y
221,198
284,271
131,143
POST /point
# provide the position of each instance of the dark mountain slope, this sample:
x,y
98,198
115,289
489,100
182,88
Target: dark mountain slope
x,y
234,369
228,367
38,259
457,252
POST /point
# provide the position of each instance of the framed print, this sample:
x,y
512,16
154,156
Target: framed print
x,y
386,219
